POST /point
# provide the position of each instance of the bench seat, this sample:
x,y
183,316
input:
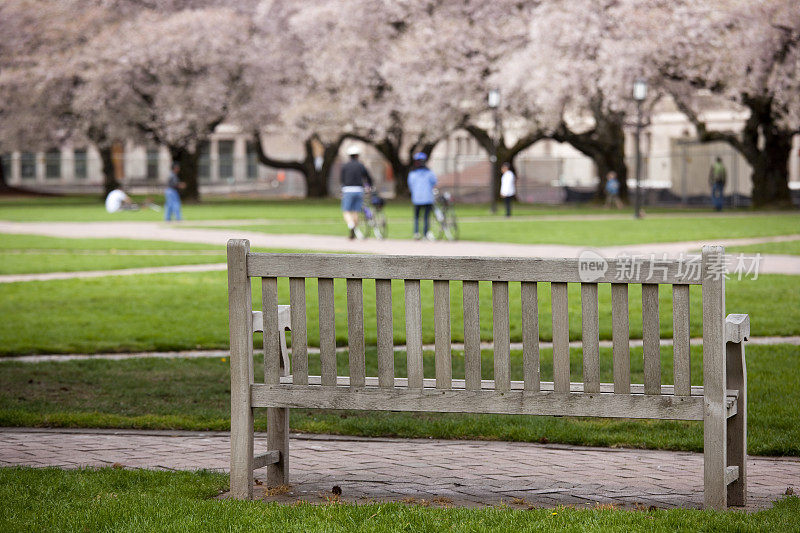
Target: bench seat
x,y
605,403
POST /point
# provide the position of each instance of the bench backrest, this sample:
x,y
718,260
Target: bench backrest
x,y
588,271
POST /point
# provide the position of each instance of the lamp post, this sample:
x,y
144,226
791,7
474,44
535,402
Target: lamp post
x,y
639,94
494,105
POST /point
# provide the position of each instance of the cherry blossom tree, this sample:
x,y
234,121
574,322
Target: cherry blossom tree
x,y
35,82
746,53
577,70
171,79
279,60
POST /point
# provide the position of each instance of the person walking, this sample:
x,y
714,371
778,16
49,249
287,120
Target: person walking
x,y
172,197
717,176
421,181
612,190
508,188
354,177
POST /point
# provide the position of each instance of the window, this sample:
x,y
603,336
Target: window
x,y
27,165
5,159
252,161
225,149
152,163
52,164
204,161
81,164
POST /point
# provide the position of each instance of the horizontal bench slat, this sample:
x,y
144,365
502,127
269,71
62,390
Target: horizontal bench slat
x,y
460,268
488,384
517,402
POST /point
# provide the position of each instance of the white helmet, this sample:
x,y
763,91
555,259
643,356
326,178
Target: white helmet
x,y
354,150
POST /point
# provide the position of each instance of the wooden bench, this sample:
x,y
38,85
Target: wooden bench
x,y
721,403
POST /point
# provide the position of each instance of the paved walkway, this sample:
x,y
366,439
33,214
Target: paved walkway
x,y
194,354
463,473
770,264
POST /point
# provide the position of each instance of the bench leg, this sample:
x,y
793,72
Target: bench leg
x,y
737,424
278,439
714,426
241,450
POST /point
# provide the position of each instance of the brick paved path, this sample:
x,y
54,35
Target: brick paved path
x,y
470,473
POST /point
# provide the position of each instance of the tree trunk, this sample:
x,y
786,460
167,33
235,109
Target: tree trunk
x,y
189,163
316,178
604,144
502,152
767,148
770,173
109,178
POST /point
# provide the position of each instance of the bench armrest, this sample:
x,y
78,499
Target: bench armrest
x,y
737,328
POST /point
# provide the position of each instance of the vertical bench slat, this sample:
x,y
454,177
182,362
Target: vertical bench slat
x,y
441,317
558,294
327,332
620,338
355,332
383,303
297,300
272,338
530,336
472,335
413,333
500,334
681,353
651,339
590,323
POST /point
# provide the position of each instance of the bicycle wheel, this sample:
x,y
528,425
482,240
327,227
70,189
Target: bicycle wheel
x,y
364,225
378,224
449,225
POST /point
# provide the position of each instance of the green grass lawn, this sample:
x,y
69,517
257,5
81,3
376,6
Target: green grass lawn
x,y
527,226
195,394
31,254
783,248
141,500
190,311
588,232
87,209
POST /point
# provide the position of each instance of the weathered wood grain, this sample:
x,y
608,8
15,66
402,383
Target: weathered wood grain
x,y
590,325
413,333
651,344
448,268
714,379
441,318
472,335
681,352
241,343
383,303
327,331
530,336
355,331
560,306
517,402
501,334
620,338
297,301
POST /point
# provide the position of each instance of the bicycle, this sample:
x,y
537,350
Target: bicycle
x,y
373,219
445,215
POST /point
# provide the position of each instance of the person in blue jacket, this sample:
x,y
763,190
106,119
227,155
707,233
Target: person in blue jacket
x,y
421,181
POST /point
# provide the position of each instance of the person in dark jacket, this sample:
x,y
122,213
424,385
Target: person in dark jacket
x,y
355,178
